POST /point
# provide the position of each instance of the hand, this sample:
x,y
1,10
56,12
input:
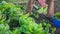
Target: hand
x,y
42,0
42,3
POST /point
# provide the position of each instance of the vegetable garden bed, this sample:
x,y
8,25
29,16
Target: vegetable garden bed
x,y
14,20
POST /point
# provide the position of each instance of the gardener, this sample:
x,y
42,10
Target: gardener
x,y
50,11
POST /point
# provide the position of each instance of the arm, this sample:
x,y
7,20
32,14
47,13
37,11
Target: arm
x,y
56,22
30,6
51,9
51,14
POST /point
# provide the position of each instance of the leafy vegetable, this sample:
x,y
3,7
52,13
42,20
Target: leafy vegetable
x,y
43,10
4,29
13,16
28,26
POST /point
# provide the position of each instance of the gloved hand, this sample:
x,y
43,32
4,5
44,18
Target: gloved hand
x,y
56,22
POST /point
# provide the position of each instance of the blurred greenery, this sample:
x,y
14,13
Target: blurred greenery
x,y
13,19
14,0
57,15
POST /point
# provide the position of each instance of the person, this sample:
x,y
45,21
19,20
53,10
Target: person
x,y
50,13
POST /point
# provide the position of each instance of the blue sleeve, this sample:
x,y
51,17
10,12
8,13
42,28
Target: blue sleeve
x,y
56,22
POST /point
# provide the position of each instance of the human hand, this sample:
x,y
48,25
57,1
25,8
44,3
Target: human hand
x,y
42,3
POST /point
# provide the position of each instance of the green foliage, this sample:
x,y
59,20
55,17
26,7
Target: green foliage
x,y
8,12
57,15
29,26
16,31
11,14
4,29
42,10
2,19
